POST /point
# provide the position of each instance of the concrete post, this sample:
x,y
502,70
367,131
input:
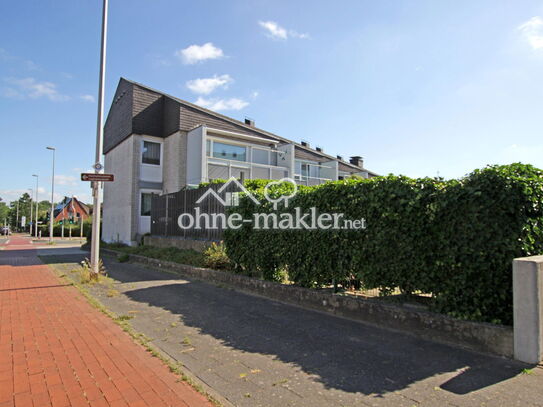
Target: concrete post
x,y
528,308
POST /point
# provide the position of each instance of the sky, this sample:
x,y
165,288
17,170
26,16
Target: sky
x,y
420,88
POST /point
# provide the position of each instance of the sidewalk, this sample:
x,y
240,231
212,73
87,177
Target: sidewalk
x,y
57,350
257,352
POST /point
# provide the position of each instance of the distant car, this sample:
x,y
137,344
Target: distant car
x,y
5,230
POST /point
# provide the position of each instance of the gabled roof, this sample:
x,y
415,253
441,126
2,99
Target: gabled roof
x,y
246,126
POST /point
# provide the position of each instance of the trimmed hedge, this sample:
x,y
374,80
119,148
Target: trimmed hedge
x,y
454,239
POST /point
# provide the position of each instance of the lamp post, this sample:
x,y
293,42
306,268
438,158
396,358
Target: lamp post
x,y
52,218
37,206
31,211
96,187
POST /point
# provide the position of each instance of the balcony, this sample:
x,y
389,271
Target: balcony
x,y
220,168
310,181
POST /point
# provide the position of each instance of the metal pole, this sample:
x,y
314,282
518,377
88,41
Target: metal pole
x,y
31,212
37,207
52,217
96,187
17,219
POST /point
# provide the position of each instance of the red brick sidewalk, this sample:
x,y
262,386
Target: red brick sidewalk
x,y
57,350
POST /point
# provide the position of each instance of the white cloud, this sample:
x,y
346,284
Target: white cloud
x,y
275,31
87,98
204,86
222,104
68,180
532,31
26,63
33,89
254,94
198,53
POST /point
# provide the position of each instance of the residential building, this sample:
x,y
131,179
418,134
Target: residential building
x,y
71,209
155,143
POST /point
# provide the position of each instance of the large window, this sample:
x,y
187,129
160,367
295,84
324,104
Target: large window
x,y
260,156
229,151
150,153
145,209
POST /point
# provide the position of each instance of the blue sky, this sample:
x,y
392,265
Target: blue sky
x,y
415,87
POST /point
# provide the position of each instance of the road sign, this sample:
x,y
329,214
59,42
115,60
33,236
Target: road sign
x,y
23,221
98,166
97,177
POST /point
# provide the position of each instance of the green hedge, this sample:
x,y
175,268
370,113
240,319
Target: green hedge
x,y
57,230
454,239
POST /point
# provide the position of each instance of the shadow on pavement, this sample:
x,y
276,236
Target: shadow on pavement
x,y
344,355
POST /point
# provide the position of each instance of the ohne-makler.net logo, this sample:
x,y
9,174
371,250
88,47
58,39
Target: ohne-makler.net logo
x,y
293,219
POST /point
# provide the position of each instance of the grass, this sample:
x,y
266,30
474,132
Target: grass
x,y
173,254
112,293
123,322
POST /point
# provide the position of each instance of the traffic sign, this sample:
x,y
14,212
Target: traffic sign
x,y
96,177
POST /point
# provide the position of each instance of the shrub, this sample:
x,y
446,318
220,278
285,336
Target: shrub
x,y
455,239
215,257
123,258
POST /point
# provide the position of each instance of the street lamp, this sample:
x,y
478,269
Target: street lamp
x,y
37,207
31,208
96,186
52,218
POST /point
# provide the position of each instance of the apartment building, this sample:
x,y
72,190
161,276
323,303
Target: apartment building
x,y
155,143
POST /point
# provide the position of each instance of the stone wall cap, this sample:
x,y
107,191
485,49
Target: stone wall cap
x,y
535,259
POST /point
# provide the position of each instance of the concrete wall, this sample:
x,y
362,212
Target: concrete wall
x,y
196,153
175,162
288,149
119,205
528,308
180,243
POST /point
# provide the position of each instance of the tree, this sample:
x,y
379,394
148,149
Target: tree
x,y
4,212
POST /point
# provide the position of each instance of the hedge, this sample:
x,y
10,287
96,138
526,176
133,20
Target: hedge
x,y
454,239
57,230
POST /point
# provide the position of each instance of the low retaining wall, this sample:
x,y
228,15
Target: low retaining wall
x,y
180,243
476,336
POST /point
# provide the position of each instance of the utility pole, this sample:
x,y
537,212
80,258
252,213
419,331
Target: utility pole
x,y
37,207
52,218
17,219
31,212
96,186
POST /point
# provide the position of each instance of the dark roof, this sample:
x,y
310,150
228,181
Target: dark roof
x,y
248,127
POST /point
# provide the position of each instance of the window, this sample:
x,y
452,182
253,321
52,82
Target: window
x,y
260,156
150,153
229,151
273,157
145,209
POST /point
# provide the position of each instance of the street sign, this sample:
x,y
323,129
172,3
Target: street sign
x,y
97,177
23,221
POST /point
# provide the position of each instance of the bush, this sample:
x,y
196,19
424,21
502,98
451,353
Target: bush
x,y
76,231
123,258
215,257
454,239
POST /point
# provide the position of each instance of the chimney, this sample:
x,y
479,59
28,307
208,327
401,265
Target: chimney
x,y
305,143
339,157
249,122
319,149
357,160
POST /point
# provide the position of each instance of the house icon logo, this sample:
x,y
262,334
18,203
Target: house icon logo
x,y
231,198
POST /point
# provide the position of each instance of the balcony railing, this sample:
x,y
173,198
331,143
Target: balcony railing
x,y
310,181
220,168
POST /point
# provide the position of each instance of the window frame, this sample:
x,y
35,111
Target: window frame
x,y
155,141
